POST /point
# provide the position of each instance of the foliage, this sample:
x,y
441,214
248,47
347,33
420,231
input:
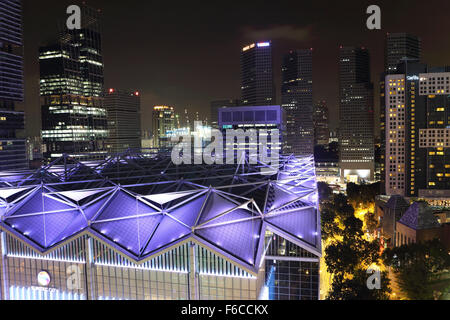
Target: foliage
x,y
364,194
346,256
348,253
417,266
355,288
333,213
371,222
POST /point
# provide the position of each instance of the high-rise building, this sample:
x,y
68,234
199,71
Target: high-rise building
x,y
163,121
404,115
13,153
321,124
297,102
400,46
434,137
71,88
124,120
258,86
356,115
417,138
216,105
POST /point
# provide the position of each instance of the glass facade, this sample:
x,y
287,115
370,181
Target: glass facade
x,y
74,119
357,151
293,280
111,276
258,87
12,147
297,101
291,272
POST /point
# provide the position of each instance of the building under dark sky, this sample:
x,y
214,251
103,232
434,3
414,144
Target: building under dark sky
x,y
297,101
356,131
399,46
71,89
257,82
188,54
12,149
124,120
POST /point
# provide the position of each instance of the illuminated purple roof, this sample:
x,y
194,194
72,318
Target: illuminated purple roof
x,y
141,206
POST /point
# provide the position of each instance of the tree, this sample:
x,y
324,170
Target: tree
x,y
346,256
333,213
349,254
356,288
362,194
371,222
417,265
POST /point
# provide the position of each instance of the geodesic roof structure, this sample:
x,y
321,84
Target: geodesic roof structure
x,y
144,205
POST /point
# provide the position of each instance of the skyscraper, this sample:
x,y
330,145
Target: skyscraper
x,y
356,115
124,120
400,46
73,116
297,102
405,111
163,120
12,150
216,105
258,87
434,136
417,138
321,125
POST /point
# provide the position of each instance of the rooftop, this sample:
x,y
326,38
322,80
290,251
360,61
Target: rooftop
x,y
143,205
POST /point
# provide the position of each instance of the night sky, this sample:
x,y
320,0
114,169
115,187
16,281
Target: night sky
x,y
186,53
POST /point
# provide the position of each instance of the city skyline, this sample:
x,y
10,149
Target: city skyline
x,y
200,152
186,81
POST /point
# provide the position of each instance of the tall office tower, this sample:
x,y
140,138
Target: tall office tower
x,y
258,86
124,120
434,137
400,46
71,88
321,125
417,142
405,109
297,102
13,153
163,121
356,115
216,105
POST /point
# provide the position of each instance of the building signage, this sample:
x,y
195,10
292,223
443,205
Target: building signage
x,y
412,78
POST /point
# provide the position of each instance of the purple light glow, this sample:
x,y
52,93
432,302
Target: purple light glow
x,y
139,230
